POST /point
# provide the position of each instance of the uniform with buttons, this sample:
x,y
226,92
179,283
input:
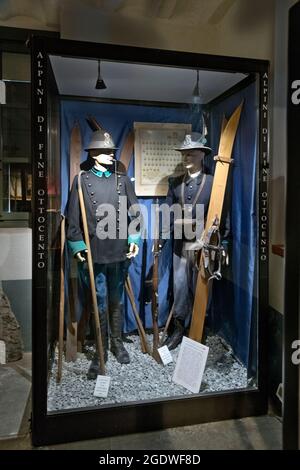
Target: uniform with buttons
x,y
106,188
182,190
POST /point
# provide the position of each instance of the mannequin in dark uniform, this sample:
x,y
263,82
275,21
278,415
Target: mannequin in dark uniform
x,y
110,252
192,188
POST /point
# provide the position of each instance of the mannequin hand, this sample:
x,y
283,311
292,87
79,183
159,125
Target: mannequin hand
x,y
201,240
133,250
81,256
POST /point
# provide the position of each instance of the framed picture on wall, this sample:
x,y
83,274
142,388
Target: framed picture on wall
x,y
155,157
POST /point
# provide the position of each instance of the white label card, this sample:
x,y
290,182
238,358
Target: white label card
x,y
2,352
102,386
190,364
165,355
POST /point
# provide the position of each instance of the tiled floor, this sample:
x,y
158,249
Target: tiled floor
x,y
15,386
263,432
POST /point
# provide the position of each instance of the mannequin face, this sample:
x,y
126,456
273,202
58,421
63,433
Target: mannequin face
x,y
192,160
102,157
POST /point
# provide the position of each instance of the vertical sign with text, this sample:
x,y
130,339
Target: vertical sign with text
x,y
39,104
39,62
264,171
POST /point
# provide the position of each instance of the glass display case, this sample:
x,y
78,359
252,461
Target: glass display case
x,y
157,327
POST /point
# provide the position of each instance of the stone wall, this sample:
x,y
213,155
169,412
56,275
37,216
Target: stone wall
x,y
10,331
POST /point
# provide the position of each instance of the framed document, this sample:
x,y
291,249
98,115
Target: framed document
x,y
155,157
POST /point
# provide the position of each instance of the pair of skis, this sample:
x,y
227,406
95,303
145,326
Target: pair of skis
x,y
223,161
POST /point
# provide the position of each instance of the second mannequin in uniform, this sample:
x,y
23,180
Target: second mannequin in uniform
x,y
192,188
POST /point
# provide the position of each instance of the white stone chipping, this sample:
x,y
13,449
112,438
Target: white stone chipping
x,y
143,378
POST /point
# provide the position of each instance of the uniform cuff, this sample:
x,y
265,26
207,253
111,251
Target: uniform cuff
x,y
134,238
76,247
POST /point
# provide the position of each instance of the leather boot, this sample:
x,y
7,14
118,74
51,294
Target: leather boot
x,y
116,343
94,367
176,337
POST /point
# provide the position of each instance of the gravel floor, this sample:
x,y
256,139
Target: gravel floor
x,y
143,378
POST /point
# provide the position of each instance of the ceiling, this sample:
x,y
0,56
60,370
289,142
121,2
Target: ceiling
x,y
46,13
77,77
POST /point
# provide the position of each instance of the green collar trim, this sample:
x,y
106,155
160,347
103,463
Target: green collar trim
x,y
99,173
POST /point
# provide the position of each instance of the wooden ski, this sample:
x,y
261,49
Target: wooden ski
x,y
72,326
223,160
127,150
75,151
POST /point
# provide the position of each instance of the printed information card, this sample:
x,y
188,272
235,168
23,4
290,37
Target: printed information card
x,y
165,355
102,386
190,364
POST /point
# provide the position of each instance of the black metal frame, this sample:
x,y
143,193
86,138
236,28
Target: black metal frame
x,y
291,320
138,416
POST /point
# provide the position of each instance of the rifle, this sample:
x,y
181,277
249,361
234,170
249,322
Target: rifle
x,y
154,305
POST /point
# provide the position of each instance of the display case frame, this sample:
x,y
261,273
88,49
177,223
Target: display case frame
x,y
70,425
291,317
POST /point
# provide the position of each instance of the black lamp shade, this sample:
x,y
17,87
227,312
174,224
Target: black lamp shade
x,y
100,85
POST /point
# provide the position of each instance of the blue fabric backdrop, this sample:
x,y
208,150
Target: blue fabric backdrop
x,y
234,299
232,304
118,120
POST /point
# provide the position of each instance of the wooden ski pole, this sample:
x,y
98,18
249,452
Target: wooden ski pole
x,y
166,326
92,278
61,300
144,343
72,325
